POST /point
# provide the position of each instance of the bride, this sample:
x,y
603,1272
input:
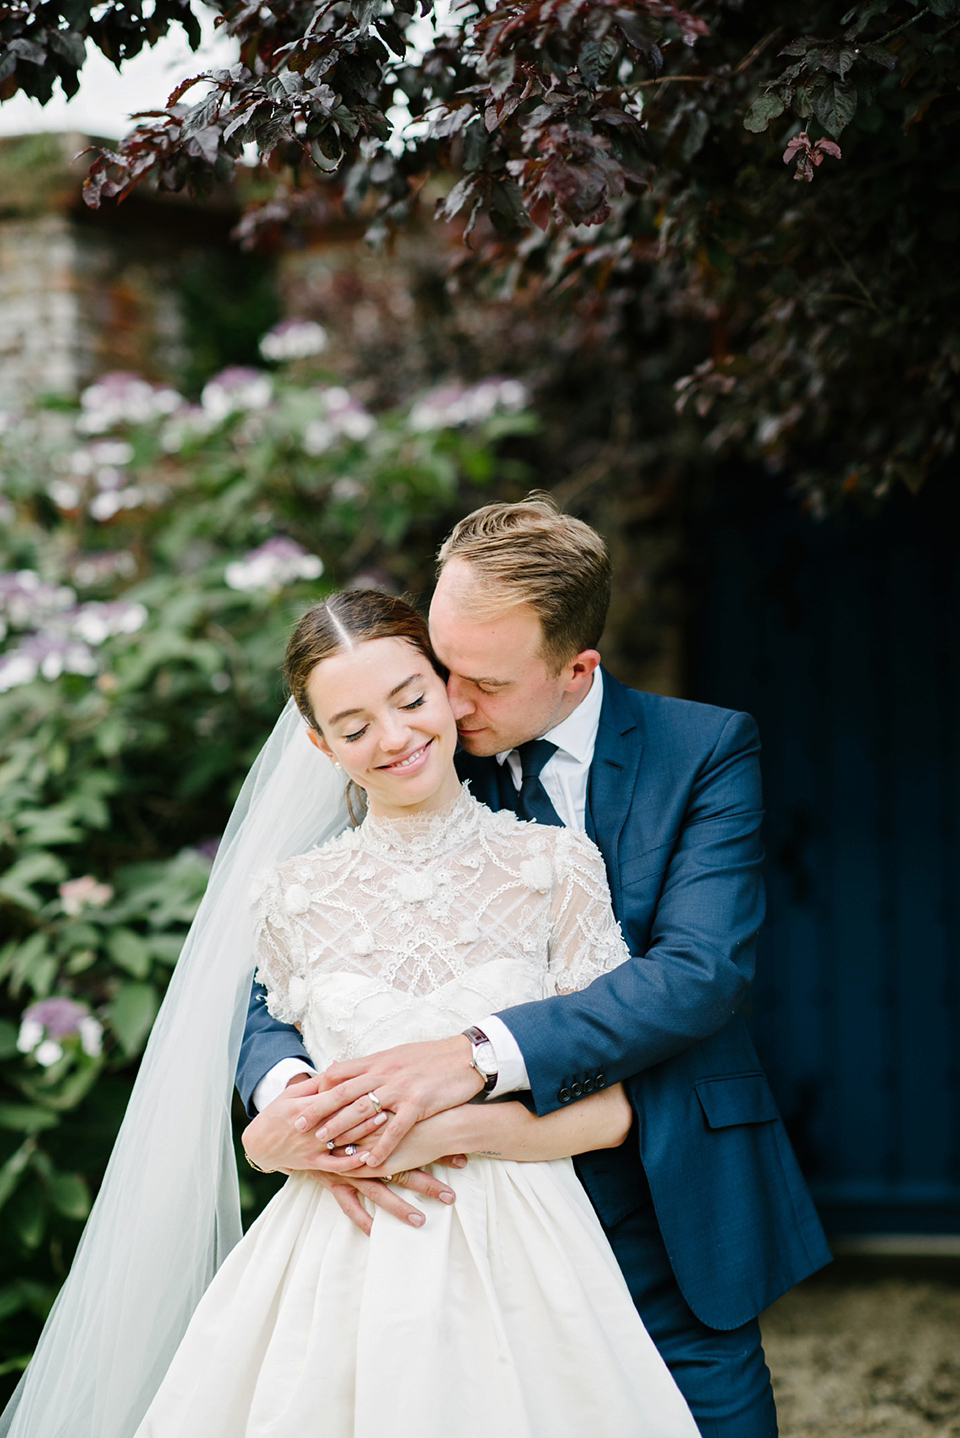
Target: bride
x,y
506,1313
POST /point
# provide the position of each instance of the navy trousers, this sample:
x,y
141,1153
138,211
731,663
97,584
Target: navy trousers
x,y
722,1374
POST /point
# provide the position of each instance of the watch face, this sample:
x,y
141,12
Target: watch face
x,y
485,1058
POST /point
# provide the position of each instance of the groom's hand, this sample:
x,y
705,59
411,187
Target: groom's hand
x,y
411,1082
350,1193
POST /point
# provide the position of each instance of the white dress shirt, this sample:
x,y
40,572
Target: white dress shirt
x,y
564,776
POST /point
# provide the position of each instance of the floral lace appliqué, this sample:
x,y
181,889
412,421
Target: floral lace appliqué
x,y
413,928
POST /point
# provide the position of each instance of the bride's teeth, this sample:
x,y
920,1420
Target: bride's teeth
x,y
402,763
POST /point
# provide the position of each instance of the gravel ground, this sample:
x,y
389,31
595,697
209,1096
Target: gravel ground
x,y
876,1357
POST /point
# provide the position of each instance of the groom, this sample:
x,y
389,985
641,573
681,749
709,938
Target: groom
x,y
704,1205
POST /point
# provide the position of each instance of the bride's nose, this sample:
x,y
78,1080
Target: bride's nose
x,y
394,734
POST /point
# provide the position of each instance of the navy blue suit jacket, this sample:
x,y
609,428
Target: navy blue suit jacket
x,y
674,805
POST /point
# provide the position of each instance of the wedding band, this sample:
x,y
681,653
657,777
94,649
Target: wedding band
x,y
376,1102
397,1178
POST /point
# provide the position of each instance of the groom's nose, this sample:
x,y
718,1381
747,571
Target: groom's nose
x,y
460,701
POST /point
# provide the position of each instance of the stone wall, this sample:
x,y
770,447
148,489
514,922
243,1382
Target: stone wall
x,y
84,292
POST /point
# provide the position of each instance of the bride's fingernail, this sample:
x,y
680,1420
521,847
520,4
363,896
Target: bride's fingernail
x,y
381,1118
416,1219
300,1123
447,1196
321,1132
459,1161
363,1157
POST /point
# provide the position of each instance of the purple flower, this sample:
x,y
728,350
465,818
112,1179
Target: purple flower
x,y
96,622
272,566
124,398
60,1017
293,339
48,655
235,390
454,404
45,1025
26,599
343,417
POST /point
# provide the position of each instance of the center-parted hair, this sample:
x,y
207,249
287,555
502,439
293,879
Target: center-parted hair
x,y
343,621
531,553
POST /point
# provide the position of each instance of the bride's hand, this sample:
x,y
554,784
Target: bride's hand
x,y
409,1083
432,1140
275,1145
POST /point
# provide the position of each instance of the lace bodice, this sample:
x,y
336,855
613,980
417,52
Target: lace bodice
x,y
411,928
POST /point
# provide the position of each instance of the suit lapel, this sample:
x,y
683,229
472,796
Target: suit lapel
x,y
610,787
613,776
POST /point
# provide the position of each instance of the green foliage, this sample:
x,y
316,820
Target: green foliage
x,y
153,558
809,327
228,300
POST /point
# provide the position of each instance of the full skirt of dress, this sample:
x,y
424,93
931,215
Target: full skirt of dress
x,y
504,1316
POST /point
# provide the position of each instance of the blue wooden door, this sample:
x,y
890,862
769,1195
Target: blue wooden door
x,y
842,638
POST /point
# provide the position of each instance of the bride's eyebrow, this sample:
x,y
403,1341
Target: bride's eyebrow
x,y
348,713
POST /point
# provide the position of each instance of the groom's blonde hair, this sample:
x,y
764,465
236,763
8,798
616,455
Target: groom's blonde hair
x,y
531,553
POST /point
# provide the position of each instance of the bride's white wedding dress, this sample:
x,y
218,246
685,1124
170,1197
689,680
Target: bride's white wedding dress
x,y
506,1315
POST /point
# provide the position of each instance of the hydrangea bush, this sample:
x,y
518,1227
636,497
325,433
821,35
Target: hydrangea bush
x,y
153,557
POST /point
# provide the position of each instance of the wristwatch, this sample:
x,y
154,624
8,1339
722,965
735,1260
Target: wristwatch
x,y
484,1059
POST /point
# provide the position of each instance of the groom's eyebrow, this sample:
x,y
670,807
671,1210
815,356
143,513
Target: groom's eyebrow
x,y
347,713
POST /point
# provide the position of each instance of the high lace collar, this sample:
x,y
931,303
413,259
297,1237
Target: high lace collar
x,y
426,834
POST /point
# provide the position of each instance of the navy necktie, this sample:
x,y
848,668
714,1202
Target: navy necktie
x,y
533,801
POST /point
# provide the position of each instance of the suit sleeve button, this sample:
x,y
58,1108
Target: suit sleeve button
x,y
576,1089
589,1085
564,1095
601,1080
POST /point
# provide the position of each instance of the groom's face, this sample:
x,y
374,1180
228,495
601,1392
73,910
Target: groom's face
x,y
501,689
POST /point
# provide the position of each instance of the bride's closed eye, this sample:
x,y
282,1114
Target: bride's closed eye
x,y
359,733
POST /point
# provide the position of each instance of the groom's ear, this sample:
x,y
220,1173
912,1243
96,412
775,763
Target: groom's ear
x,y
578,671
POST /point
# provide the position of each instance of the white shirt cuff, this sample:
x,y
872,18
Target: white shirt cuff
x,y
275,1080
511,1069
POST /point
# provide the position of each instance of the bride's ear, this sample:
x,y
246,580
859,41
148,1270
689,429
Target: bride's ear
x,y
318,742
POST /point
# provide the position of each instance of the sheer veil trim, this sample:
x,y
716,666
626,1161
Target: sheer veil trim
x,y
168,1210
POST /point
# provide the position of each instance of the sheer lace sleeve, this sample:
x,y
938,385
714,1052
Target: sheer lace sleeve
x,y
276,946
585,938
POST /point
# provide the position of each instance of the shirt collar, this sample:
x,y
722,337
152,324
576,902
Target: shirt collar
x,y
577,734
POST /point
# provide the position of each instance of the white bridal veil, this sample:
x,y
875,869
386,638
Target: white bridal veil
x,y
168,1211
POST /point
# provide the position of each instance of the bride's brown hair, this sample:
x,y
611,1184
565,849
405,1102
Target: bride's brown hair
x,y
342,621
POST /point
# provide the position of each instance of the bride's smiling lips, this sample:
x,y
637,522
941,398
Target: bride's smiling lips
x,y
410,764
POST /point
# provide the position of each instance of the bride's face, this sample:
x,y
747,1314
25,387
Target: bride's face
x,y
383,714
